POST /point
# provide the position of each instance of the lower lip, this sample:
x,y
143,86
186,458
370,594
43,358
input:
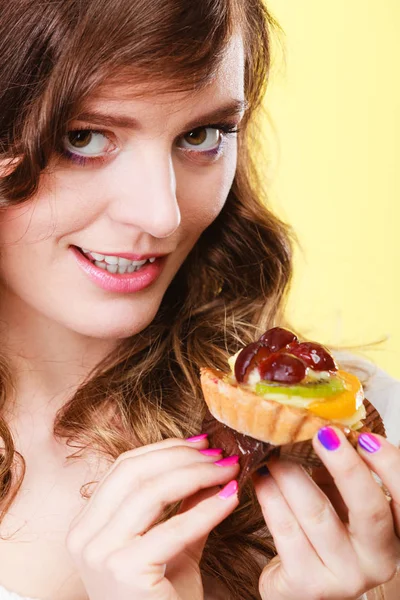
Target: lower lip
x,y
123,284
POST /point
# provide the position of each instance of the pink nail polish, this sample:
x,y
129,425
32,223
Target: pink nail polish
x,y
369,442
230,489
211,451
228,462
197,438
329,438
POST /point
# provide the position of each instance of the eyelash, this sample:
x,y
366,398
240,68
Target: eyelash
x,y
225,128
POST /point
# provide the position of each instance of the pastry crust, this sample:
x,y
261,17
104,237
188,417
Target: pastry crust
x,y
287,428
257,417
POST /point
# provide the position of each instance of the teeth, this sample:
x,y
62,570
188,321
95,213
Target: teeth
x,y
111,260
116,268
102,265
116,264
124,262
112,268
99,257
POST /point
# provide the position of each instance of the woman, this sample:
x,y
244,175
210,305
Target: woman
x,y
135,247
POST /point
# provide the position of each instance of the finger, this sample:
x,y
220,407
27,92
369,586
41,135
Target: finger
x,y
138,512
384,459
199,442
167,540
290,540
127,476
315,515
196,549
192,501
370,519
325,482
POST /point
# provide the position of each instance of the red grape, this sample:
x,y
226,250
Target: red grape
x,y
283,368
315,356
277,338
248,359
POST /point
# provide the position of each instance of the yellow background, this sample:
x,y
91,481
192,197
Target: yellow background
x,y
334,169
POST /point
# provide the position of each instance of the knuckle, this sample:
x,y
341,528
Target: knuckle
x,y
74,542
175,533
376,514
287,528
123,572
350,468
148,489
319,512
122,464
92,557
186,451
127,454
114,566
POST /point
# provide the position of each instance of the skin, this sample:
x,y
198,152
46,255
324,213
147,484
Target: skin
x,y
344,553
57,326
55,319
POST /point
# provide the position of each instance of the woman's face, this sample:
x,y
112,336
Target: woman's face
x,y
153,174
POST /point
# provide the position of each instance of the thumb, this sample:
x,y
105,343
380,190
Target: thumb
x,y
272,582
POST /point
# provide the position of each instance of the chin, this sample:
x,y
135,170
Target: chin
x,y
113,325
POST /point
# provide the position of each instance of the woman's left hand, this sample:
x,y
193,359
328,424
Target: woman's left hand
x,y
319,555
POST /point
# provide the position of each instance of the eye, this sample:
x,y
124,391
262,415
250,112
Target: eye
x,y
87,141
202,138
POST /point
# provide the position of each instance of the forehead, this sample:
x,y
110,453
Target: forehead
x,y
227,82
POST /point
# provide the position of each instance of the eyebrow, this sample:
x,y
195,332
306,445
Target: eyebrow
x,y
231,109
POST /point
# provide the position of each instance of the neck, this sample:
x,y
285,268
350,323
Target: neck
x,y
48,362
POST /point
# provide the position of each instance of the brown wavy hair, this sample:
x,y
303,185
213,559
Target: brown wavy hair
x,y
233,283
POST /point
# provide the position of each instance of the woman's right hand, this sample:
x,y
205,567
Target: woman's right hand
x,y
119,551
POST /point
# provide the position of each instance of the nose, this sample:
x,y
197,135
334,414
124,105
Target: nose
x,y
144,193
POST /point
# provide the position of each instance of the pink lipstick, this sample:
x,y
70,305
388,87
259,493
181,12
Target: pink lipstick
x,y
125,283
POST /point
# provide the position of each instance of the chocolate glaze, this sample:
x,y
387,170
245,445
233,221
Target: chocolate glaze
x,y
254,453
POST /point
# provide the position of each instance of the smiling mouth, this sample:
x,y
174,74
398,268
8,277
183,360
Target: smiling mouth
x,y
115,264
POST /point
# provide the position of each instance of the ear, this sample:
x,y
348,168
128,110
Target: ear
x,y
7,165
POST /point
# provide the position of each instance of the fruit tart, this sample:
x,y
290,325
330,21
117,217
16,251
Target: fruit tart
x,y
278,393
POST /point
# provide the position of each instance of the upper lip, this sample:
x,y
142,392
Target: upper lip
x,y
127,255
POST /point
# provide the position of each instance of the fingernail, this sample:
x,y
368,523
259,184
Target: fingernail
x,y
228,462
329,438
263,471
211,451
230,489
197,438
369,442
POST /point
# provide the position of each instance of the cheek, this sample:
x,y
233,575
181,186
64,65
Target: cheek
x,y
59,207
16,225
203,196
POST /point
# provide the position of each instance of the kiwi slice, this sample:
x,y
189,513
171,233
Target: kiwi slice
x,y
319,389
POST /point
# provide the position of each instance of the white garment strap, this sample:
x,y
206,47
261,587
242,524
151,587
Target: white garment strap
x,y
8,595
